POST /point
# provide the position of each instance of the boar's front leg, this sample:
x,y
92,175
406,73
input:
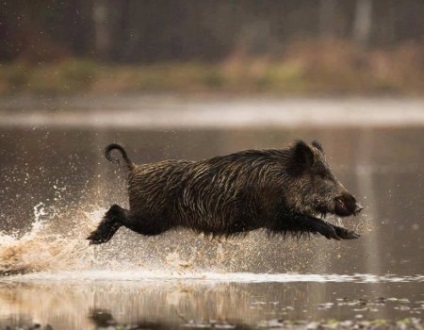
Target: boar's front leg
x,y
344,233
318,226
301,223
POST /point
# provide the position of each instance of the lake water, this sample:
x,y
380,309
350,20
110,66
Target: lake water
x,y
56,185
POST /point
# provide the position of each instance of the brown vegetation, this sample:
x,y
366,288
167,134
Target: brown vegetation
x,y
306,68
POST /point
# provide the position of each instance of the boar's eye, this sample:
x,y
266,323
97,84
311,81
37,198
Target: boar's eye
x,y
317,145
322,174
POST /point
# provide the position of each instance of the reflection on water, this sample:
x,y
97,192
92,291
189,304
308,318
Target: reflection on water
x,y
131,299
56,185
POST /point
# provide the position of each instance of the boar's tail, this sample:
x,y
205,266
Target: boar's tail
x,y
116,161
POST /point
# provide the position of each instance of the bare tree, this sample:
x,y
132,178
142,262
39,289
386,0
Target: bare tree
x,y
102,28
362,22
328,18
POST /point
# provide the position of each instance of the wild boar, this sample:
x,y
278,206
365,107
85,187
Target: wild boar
x,y
280,190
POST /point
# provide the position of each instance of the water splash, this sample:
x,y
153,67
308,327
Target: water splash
x,y
43,247
56,241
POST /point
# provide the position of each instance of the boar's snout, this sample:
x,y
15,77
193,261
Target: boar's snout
x,y
346,205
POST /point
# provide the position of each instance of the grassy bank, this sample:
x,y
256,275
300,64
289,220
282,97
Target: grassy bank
x,y
304,69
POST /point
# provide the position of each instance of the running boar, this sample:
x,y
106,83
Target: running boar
x,y
280,190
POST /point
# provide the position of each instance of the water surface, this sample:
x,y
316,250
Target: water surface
x,y
56,185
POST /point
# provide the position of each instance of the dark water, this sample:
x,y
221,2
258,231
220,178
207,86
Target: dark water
x,y
56,185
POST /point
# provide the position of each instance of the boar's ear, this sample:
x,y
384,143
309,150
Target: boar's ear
x,y
317,145
302,158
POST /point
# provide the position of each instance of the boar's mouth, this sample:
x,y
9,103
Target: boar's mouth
x,y
342,206
346,205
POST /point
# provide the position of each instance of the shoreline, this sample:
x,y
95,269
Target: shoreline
x,y
169,111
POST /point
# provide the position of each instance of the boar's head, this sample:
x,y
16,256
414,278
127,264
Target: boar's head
x,y
313,188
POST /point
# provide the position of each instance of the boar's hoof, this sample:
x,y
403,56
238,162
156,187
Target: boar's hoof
x,y
345,234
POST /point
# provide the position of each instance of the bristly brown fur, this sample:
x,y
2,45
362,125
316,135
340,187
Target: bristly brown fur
x,y
280,190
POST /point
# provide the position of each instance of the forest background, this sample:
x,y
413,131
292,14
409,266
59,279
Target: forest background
x,y
284,47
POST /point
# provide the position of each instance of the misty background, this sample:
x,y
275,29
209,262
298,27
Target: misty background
x,y
290,47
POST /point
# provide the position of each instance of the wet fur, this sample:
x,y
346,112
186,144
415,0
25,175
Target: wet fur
x,y
231,195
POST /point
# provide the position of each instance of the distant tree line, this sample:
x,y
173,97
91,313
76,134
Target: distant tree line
x,y
206,30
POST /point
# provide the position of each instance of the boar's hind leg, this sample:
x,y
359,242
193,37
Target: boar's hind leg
x,y
117,217
113,219
147,225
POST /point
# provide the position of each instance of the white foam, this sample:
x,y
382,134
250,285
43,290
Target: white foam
x,y
207,277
